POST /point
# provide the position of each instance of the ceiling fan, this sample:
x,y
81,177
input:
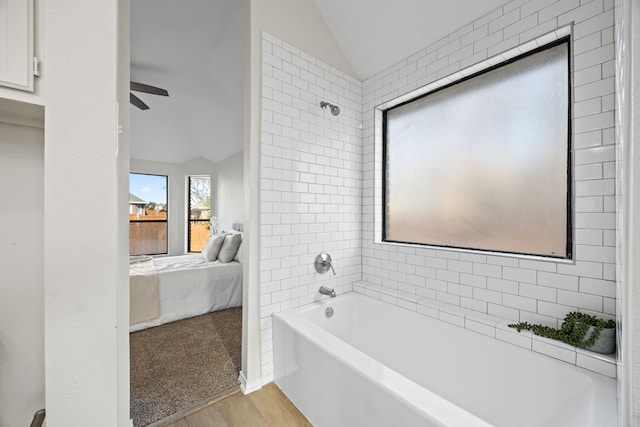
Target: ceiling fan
x,y
140,87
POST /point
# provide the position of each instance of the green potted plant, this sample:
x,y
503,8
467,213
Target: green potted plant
x,y
579,330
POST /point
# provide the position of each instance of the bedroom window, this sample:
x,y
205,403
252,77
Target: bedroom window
x,y
147,214
483,163
199,212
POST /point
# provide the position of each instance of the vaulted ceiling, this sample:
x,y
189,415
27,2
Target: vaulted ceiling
x,y
194,49
375,34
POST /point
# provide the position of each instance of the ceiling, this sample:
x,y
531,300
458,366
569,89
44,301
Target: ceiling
x,y
375,34
196,53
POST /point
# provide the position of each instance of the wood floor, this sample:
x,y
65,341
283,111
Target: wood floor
x,y
267,407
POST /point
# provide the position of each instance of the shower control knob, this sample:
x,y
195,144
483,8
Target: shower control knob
x,y
322,263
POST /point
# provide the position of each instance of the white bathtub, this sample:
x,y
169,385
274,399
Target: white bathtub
x,y
375,364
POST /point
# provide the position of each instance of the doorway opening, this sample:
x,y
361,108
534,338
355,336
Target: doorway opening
x,y
190,353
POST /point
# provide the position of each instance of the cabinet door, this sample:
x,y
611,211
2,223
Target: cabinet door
x,y
16,44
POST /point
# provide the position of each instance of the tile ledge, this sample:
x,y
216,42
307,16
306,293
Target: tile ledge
x,y
489,320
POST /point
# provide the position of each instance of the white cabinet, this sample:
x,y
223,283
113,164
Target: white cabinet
x,y
17,44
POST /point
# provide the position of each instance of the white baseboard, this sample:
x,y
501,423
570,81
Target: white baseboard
x,y
248,386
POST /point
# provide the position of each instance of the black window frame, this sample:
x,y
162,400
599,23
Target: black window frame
x,y
189,220
166,221
569,252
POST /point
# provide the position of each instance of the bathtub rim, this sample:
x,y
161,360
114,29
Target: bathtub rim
x,y
297,319
438,409
594,363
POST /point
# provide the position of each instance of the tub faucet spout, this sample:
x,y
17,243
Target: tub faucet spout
x,y
327,291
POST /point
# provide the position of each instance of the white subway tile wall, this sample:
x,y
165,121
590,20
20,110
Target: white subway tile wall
x,y
311,182
318,187
506,287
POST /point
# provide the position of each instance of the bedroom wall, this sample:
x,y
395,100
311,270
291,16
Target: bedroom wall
x,y
228,198
177,173
310,190
22,266
510,287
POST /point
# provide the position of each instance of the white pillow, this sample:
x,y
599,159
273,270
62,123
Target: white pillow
x,y
212,248
229,247
238,256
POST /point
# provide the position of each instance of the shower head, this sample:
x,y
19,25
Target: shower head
x,y
335,110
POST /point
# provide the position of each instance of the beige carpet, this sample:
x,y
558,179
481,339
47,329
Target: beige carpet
x,y
180,364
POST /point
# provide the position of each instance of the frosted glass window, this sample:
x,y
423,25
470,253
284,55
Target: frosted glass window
x,y
484,163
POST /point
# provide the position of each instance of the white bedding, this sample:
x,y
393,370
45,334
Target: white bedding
x,y
190,286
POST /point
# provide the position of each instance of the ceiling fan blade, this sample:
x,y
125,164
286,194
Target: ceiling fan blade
x,y
140,87
137,102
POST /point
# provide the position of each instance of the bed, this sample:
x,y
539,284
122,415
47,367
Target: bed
x,y
187,286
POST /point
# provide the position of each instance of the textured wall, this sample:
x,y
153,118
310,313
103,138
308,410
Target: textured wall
x,y
86,285
21,263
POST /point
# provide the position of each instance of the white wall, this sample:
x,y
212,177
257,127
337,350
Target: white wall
x,y
311,169
300,23
86,290
177,174
228,197
122,227
22,283
630,180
